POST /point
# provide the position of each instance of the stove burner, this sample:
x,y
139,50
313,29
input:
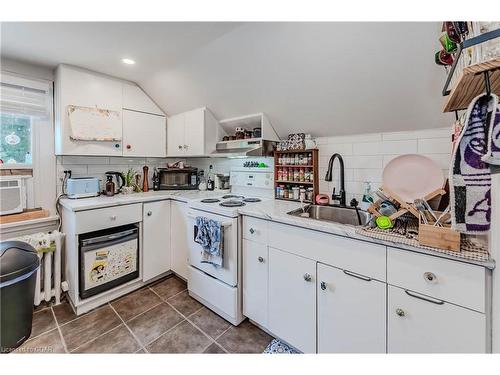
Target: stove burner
x,y
227,196
210,200
251,200
232,203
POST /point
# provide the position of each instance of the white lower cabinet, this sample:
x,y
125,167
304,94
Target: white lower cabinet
x,y
421,324
292,299
155,239
351,312
255,281
179,238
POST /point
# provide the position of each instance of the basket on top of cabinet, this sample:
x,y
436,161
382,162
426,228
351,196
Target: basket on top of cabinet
x,y
296,175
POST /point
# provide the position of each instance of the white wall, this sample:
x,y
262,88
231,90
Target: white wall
x,y
366,155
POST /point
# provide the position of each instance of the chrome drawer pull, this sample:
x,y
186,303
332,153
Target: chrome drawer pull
x,y
261,260
113,217
149,213
307,277
358,276
424,298
400,312
322,285
251,230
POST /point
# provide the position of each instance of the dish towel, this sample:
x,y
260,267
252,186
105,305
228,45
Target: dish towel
x,y
210,237
493,152
470,179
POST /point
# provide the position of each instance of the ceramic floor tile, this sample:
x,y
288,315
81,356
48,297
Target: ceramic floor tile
x,y
64,313
209,322
246,338
214,349
135,303
89,326
185,304
169,287
184,338
43,321
49,342
153,323
119,340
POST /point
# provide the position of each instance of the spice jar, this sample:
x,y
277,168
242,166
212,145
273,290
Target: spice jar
x,y
309,159
296,192
296,176
309,194
284,176
282,191
307,175
285,193
280,174
297,160
301,174
302,194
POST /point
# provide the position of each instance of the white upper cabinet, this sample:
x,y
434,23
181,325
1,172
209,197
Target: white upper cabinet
x,y
192,133
136,121
137,100
82,88
144,134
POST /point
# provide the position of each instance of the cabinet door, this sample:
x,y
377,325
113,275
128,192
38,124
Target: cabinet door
x,y
155,239
194,142
292,299
137,100
179,238
351,312
175,135
144,134
420,324
255,284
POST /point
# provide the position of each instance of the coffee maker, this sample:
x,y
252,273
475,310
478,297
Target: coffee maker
x,y
222,181
120,181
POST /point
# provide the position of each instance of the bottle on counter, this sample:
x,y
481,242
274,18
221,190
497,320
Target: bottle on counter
x,y
210,179
203,183
110,186
156,180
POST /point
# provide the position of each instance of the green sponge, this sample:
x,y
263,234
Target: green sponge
x,y
384,222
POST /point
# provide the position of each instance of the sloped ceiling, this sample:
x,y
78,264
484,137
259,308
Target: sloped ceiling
x,y
322,78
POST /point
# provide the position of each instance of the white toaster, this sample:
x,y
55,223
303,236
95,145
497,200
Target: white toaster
x,y
82,187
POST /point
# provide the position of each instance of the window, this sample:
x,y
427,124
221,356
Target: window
x,y
23,103
15,139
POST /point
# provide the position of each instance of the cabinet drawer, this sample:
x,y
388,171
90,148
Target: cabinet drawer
x,y
416,325
102,218
360,257
448,280
255,229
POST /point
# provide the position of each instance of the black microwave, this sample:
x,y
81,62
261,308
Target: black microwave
x,y
178,178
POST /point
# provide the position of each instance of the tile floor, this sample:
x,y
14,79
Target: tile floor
x,y
159,318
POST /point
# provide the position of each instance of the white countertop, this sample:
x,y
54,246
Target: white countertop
x,y
121,199
276,210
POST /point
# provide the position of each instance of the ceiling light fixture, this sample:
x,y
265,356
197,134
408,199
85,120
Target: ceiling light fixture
x,y
128,61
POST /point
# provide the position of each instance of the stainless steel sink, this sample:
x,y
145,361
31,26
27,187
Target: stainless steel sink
x,y
334,214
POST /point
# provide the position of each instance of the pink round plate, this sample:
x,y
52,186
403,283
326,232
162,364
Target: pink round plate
x,y
412,176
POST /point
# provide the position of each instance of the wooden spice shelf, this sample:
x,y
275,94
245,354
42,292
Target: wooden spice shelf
x,y
292,166
295,182
471,83
293,200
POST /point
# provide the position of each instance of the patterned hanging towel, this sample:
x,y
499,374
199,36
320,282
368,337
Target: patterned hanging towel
x,y
493,152
470,178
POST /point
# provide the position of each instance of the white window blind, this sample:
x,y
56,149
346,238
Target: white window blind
x,y
24,97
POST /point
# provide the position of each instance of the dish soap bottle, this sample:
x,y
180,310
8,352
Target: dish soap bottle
x,y
110,186
210,179
367,199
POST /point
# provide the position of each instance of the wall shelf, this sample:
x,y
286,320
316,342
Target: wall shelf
x,y
471,83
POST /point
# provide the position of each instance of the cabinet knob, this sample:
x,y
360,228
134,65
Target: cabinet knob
x,y
129,147
251,230
307,277
180,147
113,217
430,277
400,312
149,213
117,145
261,260
323,285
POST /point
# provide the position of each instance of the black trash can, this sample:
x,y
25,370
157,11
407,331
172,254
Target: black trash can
x,y
18,265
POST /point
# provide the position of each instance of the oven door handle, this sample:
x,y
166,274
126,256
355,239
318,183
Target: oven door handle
x,y
225,224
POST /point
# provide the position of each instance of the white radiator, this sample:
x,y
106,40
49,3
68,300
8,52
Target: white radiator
x,y
48,277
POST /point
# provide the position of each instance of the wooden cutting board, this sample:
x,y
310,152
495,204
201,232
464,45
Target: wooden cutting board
x,y
34,213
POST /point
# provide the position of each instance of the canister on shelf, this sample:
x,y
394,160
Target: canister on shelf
x,y
296,192
301,175
309,194
302,194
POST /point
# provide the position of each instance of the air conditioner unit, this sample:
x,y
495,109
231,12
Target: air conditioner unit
x,y
11,195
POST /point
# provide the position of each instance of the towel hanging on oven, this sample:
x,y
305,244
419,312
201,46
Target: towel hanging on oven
x,y
210,236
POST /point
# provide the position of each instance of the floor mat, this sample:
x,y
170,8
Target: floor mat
x,y
279,347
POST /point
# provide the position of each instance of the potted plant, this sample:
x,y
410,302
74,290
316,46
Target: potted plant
x,y
129,178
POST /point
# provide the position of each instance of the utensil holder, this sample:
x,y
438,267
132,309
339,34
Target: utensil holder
x,y
440,237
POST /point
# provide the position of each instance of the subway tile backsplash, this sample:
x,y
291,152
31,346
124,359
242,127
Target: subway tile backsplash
x,y
365,156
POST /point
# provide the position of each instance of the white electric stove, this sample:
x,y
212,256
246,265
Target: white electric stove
x,y
219,288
